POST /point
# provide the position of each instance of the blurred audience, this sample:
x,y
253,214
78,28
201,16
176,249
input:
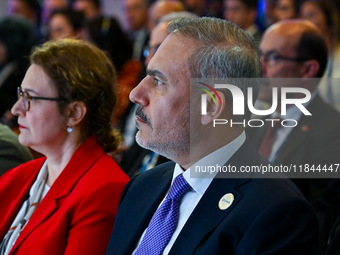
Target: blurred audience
x,y
296,49
145,159
90,8
159,33
326,17
287,9
66,23
107,34
12,153
27,9
269,13
243,13
197,7
17,37
160,8
48,6
136,13
69,198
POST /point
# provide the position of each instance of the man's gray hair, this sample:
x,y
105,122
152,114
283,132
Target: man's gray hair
x,y
224,51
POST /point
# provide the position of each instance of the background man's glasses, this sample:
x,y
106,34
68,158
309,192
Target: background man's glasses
x,y
271,58
27,98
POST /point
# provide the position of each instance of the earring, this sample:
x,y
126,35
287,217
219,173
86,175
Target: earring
x,y
69,129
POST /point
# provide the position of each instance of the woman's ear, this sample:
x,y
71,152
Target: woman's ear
x,y
215,106
75,112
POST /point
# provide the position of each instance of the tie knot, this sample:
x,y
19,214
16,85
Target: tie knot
x,y
179,187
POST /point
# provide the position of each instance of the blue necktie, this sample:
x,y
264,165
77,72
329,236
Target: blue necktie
x,y
164,221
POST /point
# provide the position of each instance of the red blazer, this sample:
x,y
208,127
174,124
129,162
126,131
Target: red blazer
x,y
76,216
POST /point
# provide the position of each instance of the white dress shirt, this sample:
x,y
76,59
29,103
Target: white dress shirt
x,y
199,185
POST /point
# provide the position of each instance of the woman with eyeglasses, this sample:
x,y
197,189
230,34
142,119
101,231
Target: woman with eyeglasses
x,y
65,202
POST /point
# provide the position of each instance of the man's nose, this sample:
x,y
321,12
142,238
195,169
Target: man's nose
x,y
139,95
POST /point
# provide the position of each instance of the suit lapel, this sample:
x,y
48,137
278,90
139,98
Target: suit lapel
x,y
149,204
301,132
62,186
207,215
257,134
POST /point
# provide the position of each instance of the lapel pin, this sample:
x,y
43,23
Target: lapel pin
x,y
304,128
226,201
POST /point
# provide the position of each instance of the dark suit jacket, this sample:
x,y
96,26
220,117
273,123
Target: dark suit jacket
x,y
12,153
268,216
77,214
315,140
334,241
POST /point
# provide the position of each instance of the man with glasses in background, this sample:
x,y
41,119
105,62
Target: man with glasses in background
x,y
295,49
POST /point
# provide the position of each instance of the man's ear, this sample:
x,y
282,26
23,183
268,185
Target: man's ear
x,y
312,68
214,108
75,113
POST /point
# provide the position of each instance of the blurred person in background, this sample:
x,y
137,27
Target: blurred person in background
x,y
108,35
65,202
27,9
287,9
243,13
326,17
159,33
66,23
17,37
195,6
12,153
90,8
48,6
136,13
269,13
296,49
161,8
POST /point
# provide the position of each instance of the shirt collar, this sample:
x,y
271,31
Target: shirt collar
x,y
218,157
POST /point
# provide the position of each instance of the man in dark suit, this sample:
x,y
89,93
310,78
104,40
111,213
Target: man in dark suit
x,y
208,214
295,49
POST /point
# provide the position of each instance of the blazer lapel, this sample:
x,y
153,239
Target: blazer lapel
x,y
62,186
14,207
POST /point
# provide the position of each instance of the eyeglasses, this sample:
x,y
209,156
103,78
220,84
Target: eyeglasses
x,y
271,58
27,98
